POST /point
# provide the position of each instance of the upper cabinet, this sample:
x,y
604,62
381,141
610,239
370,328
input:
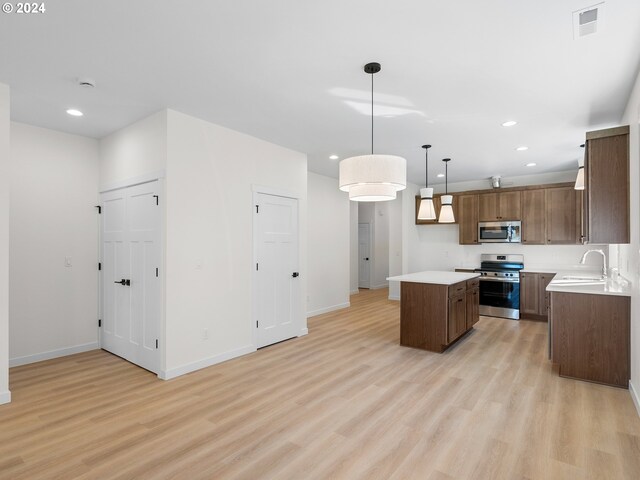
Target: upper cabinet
x,y
468,218
499,206
563,214
534,217
606,194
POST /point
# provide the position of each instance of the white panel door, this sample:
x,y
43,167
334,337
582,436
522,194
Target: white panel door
x,y
364,255
131,256
277,269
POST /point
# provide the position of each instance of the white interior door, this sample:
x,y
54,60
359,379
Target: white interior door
x,y
277,274
130,283
364,252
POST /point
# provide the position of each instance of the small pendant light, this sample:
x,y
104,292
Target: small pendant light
x,y
426,210
580,176
375,177
446,211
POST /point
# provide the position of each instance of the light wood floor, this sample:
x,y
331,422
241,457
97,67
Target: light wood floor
x,y
344,402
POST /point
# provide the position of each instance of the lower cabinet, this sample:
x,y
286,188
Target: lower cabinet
x,y
533,295
434,316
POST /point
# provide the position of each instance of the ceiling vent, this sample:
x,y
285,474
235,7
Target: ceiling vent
x,y
587,21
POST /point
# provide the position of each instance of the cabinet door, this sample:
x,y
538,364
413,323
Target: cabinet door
x,y
545,279
607,188
533,217
473,307
468,219
530,293
488,207
562,212
509,206
457,321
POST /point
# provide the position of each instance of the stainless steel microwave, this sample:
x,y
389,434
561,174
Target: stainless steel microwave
x,y
499,232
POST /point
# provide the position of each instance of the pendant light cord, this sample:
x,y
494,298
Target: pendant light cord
x,y
426,167
372,114
446,178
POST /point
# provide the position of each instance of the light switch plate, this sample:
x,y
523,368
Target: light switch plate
x,y
67,261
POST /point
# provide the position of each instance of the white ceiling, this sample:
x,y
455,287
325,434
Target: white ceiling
x,y
290,71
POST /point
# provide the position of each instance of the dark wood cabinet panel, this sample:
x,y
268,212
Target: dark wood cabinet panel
x,y
591,337
432,317
488,207
533,217
473,306
545,279
468,221
457,321
607,186
529,294
562,216
509,205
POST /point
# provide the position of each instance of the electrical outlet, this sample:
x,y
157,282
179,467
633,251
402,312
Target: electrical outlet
x,y
205,334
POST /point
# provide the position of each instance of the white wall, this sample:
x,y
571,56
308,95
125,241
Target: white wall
x,y
209,258
5,395
134,151
328,265
627,256
353,243
53,307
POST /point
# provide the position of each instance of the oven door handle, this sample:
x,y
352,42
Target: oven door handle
x,y
503,280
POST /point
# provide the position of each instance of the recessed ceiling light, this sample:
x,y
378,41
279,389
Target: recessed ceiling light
x,y
510,123
441,175
522,149
530,164
334,157
74,113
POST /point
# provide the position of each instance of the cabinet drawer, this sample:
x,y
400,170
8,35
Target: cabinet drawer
x,y
457,289
473,283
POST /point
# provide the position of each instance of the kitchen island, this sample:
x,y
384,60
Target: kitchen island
x,y
437,308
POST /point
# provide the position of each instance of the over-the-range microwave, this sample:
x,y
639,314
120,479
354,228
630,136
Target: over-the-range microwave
x,y
499,232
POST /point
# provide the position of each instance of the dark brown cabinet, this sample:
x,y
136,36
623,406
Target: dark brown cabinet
x,y
563,214
590,337
533,295
499,206
434,316
533,217
606,194
468,221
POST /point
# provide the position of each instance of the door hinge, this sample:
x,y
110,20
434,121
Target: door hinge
x,y
99,209
156,272
156,197
99,322
256,323
257,208
156,343
99,266
257,267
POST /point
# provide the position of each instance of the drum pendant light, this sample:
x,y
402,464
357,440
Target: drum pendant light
x,y
426,210
375,177
446,211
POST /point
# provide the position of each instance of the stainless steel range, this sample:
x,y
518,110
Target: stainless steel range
x,y
500,285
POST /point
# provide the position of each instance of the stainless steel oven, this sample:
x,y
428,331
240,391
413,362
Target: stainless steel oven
x,y
499,232
500,285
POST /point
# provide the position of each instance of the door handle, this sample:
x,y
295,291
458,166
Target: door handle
x,y
295,274
124,281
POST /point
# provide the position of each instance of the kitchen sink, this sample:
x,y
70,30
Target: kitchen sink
x,y
570,280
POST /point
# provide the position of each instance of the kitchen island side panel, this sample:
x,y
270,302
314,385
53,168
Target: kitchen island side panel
x,y
423,316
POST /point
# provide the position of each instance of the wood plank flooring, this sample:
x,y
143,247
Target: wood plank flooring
x,y
344,402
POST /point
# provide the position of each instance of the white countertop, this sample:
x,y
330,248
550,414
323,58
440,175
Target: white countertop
x,y
606,288
434,277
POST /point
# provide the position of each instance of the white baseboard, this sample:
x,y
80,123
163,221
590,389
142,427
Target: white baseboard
x,y
303,332
394,297
353,292
61,352
205,362
378,287
634,397
5,397
320,311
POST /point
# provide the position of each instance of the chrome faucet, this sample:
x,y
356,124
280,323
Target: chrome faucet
x,y
604,260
